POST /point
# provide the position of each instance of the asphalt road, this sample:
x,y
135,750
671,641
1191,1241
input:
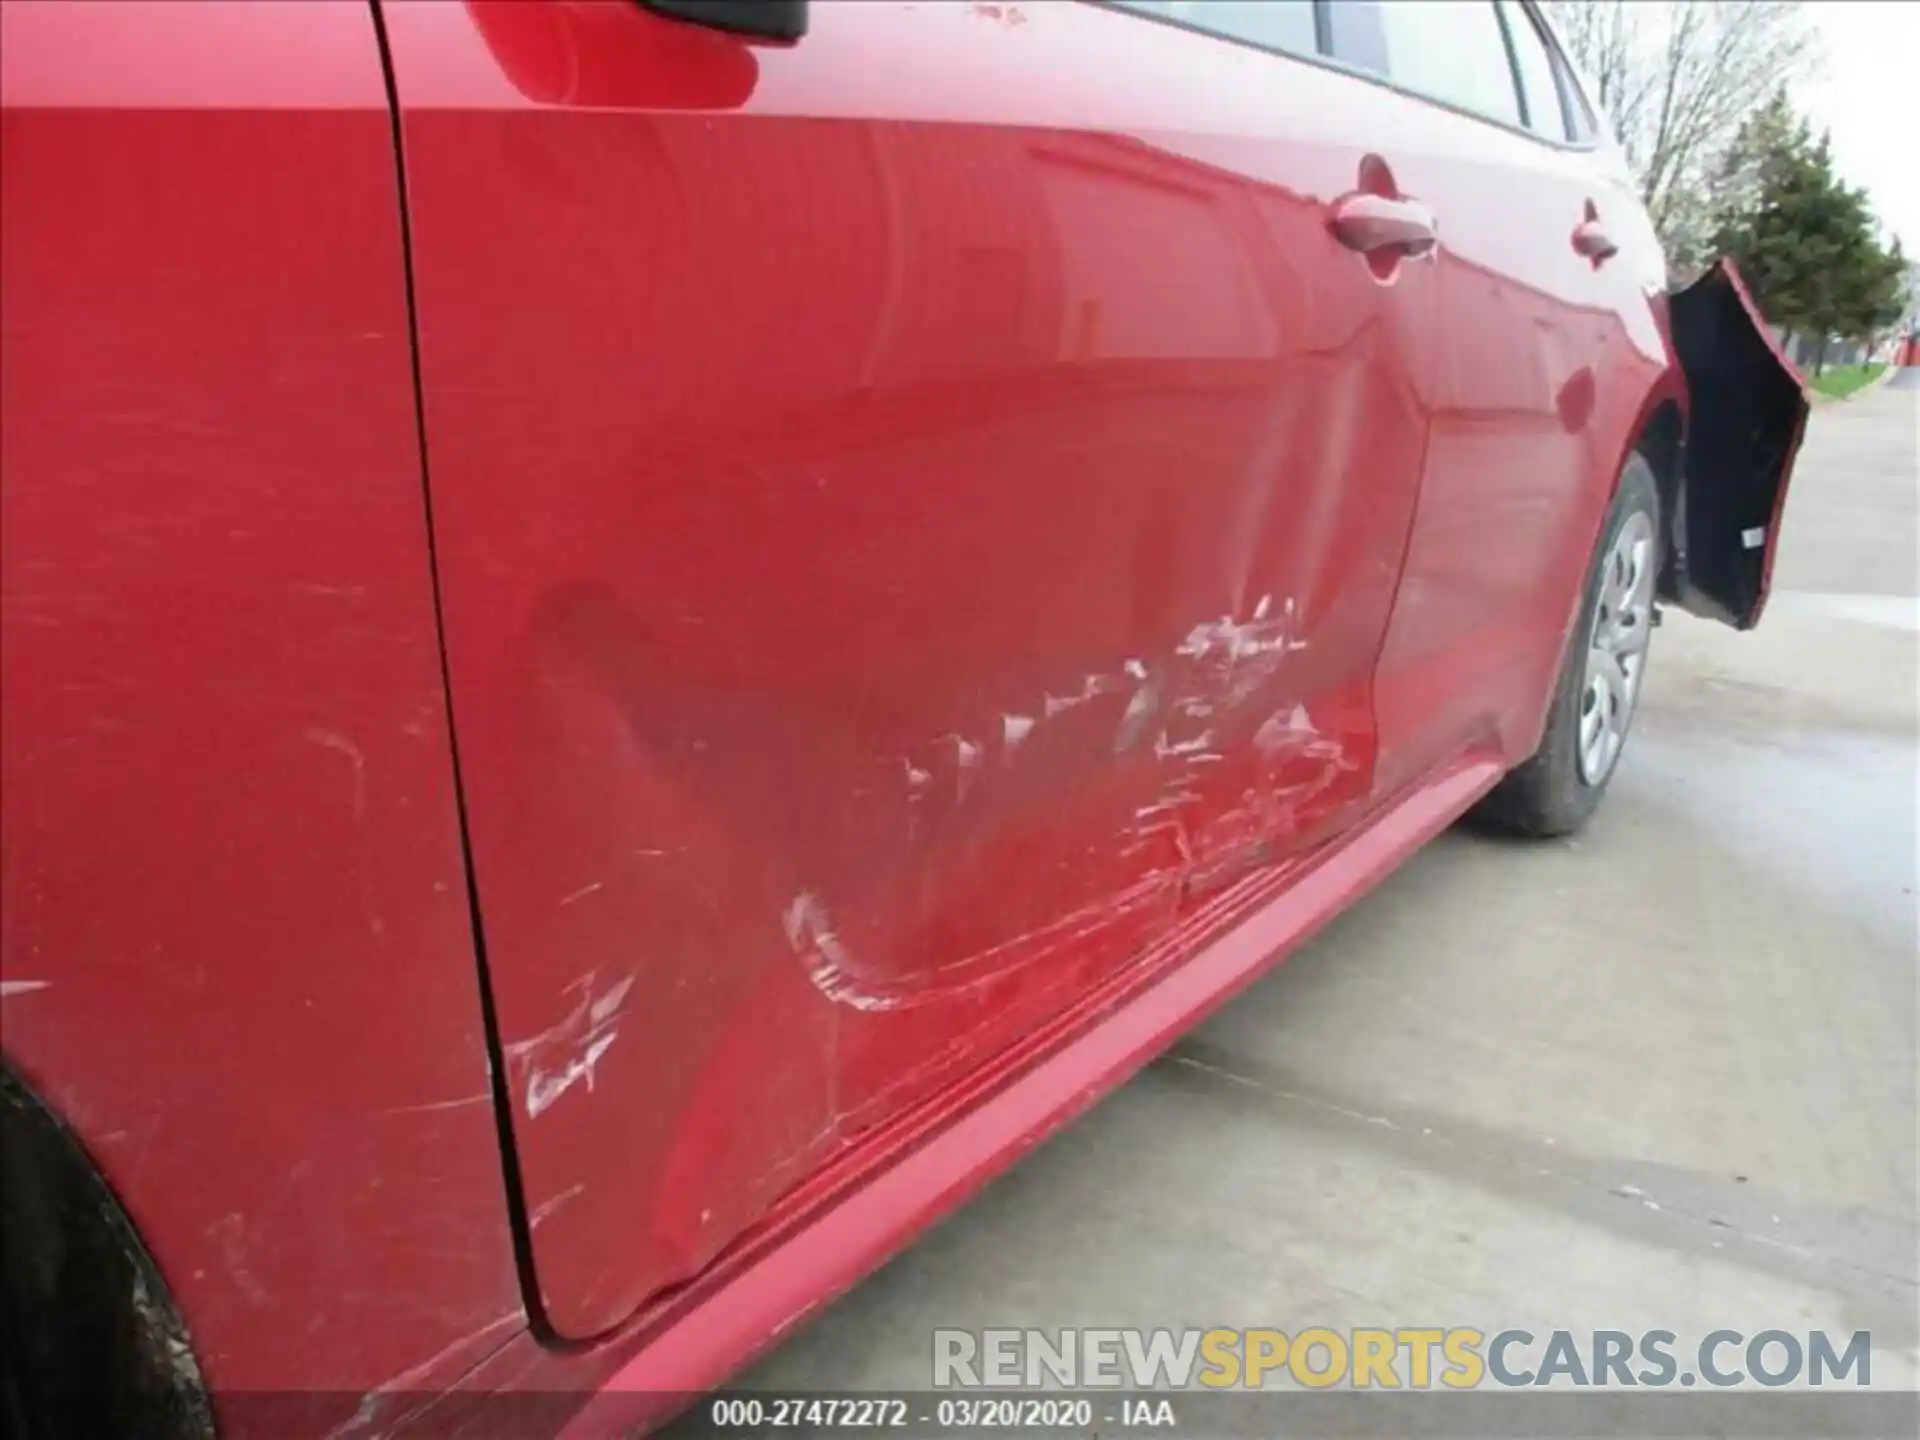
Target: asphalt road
x,y
1661,1075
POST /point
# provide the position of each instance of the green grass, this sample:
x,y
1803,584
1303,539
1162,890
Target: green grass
x,y
1842,380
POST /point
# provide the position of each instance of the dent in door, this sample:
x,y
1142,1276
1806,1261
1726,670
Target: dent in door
x,y
869,609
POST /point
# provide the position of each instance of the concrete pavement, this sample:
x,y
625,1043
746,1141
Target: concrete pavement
x,y
1661,1075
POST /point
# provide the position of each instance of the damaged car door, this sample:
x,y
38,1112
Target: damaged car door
x,y
915,512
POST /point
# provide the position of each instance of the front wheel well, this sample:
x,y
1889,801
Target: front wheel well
x,y
90,1340
1663,443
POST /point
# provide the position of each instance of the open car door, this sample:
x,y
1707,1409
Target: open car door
x,y
1748,411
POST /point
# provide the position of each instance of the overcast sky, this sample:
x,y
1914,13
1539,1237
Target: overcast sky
x,y
1866,91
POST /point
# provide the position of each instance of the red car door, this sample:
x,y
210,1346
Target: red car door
x,y
913,510
1549,345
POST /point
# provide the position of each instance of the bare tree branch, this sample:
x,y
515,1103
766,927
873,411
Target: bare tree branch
x,y
1676,78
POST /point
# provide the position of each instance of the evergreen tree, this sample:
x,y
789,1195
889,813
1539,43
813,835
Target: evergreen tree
x,y
1805,240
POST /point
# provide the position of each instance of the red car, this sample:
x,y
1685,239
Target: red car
x,y
642,638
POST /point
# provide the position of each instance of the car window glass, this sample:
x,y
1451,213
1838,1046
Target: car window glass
x,y
1537,80
1275,24
1580,122
1356,36
1452,50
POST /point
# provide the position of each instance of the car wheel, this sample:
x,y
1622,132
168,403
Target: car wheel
x,y
1554,791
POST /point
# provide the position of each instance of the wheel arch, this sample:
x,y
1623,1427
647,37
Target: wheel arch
x,y
1662,440
94,1343
1648,418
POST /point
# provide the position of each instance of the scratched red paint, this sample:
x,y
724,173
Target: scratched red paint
x,y
947,568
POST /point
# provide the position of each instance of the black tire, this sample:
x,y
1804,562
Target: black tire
x,y
90,1341
1546,794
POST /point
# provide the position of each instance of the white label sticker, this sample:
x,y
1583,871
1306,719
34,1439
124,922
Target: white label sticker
x,y
1753,539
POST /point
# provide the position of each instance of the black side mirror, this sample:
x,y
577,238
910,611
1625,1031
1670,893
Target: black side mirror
x,y
760,19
